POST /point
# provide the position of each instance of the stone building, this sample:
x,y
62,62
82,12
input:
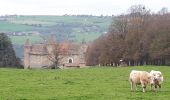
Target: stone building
x,y
37,55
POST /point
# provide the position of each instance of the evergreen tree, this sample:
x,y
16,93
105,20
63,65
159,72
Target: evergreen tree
x,y
7,54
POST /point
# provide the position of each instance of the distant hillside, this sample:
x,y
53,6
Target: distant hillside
x,y
74,28
38,28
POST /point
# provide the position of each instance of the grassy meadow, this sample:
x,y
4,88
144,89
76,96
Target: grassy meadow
x,y
97,83
21,39
12,27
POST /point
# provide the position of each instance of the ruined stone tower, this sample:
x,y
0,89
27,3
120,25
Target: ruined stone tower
x,y
37,55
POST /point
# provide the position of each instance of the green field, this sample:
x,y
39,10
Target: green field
x,y
21,39
86,37
13,27
98,83
51,20
76,28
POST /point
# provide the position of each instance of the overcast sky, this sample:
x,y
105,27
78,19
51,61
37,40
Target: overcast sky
x,y
76,7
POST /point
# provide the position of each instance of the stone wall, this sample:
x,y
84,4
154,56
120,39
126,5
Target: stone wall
x,y
36,56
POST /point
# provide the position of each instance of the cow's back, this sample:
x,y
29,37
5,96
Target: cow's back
x,y
135,76
145,77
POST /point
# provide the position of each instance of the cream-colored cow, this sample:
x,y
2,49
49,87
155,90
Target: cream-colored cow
x,y
139,77
156,79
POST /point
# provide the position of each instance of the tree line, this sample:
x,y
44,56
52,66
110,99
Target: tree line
x,y
136,38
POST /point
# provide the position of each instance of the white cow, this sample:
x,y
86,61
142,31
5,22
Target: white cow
x,y
156,79
139,77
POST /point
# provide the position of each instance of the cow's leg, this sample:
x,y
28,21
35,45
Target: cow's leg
x,y
151,86
156,87
132,84
143,86
159,86
136,87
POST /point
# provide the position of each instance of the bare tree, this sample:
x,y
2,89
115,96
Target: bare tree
x,y
55,52
163,11
138,38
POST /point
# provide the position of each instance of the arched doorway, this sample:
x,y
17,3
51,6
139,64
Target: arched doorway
x,y
70,61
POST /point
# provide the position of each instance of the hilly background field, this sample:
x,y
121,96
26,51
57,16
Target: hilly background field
x,y
75,28
37,28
